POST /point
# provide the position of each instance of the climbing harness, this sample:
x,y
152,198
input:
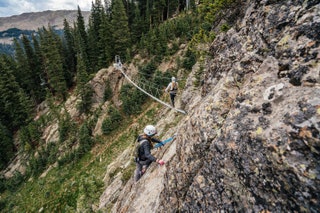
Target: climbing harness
x,y
118,65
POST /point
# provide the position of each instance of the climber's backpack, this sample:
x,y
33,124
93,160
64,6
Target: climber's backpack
x,y
139,142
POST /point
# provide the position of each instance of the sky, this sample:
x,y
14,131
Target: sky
x,y
17,7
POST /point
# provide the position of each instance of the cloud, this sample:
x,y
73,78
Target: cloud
x,y
17,7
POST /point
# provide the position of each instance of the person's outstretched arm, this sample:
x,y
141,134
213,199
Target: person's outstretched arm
x,y
156,140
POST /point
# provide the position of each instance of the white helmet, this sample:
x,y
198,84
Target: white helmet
x,y
150,130
173,79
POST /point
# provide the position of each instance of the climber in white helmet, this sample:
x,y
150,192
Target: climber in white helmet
x,y
172,88
144,157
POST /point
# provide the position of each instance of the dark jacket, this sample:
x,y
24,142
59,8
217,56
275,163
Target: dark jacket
x,y
144,151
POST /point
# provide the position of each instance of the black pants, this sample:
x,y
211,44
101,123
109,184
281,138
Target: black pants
x,y
172,96
141,167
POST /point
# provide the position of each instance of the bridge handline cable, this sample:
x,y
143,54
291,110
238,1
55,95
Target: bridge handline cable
x,y
163,77
145,85
118,66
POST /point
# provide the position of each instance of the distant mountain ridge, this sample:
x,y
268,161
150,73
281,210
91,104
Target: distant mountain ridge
x,y
36,20
28,23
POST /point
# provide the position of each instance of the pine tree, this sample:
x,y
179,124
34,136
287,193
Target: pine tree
x,y
135,27
142,6
83,89
33,71
69,53
82,40
106,41
148,17
81,27
22,65
28,74
80,49
15,107
173,7
161,43
53,65
158,12
95,35
120,28
82,75
132,99
85,139
41,78
38,67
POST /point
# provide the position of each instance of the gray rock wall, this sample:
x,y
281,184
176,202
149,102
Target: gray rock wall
x,y
253,142
251,139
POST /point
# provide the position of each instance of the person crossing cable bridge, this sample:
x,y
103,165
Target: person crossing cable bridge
x,y
172,88
143,151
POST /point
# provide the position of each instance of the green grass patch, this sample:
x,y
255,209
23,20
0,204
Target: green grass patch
x,y
64,187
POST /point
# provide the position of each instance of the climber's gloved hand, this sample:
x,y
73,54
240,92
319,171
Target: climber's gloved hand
x,y
161,162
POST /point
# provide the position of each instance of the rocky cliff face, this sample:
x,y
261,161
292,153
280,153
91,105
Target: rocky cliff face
x,y
251,139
